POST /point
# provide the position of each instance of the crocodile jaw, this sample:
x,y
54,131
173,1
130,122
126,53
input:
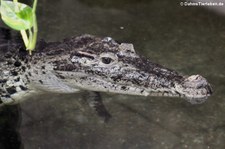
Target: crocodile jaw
x,y
195,89
196,94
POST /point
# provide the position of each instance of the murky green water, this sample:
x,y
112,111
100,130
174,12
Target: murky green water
x,y
188,39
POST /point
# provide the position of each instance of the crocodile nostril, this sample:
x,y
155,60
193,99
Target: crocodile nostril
x,y
209,90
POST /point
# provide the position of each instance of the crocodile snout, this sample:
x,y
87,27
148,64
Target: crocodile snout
x,y
195,89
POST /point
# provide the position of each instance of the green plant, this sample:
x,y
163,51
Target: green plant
x,y
21,17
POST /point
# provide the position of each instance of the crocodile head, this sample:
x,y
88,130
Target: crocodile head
x,y
104,65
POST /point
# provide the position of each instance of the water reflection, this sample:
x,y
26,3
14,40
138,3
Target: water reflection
x,y
10,122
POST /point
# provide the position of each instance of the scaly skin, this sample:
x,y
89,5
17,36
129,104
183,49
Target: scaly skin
x,y
89,63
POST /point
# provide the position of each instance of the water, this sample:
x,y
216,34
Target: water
x,y
190,40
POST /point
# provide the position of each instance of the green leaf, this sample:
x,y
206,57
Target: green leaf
x,y
17,15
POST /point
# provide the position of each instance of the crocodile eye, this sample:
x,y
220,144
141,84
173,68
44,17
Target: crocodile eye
x,y
106,60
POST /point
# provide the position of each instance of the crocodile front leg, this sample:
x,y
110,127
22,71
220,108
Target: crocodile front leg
x,y
94,100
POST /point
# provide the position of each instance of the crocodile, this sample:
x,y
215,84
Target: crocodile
x,y
88,63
